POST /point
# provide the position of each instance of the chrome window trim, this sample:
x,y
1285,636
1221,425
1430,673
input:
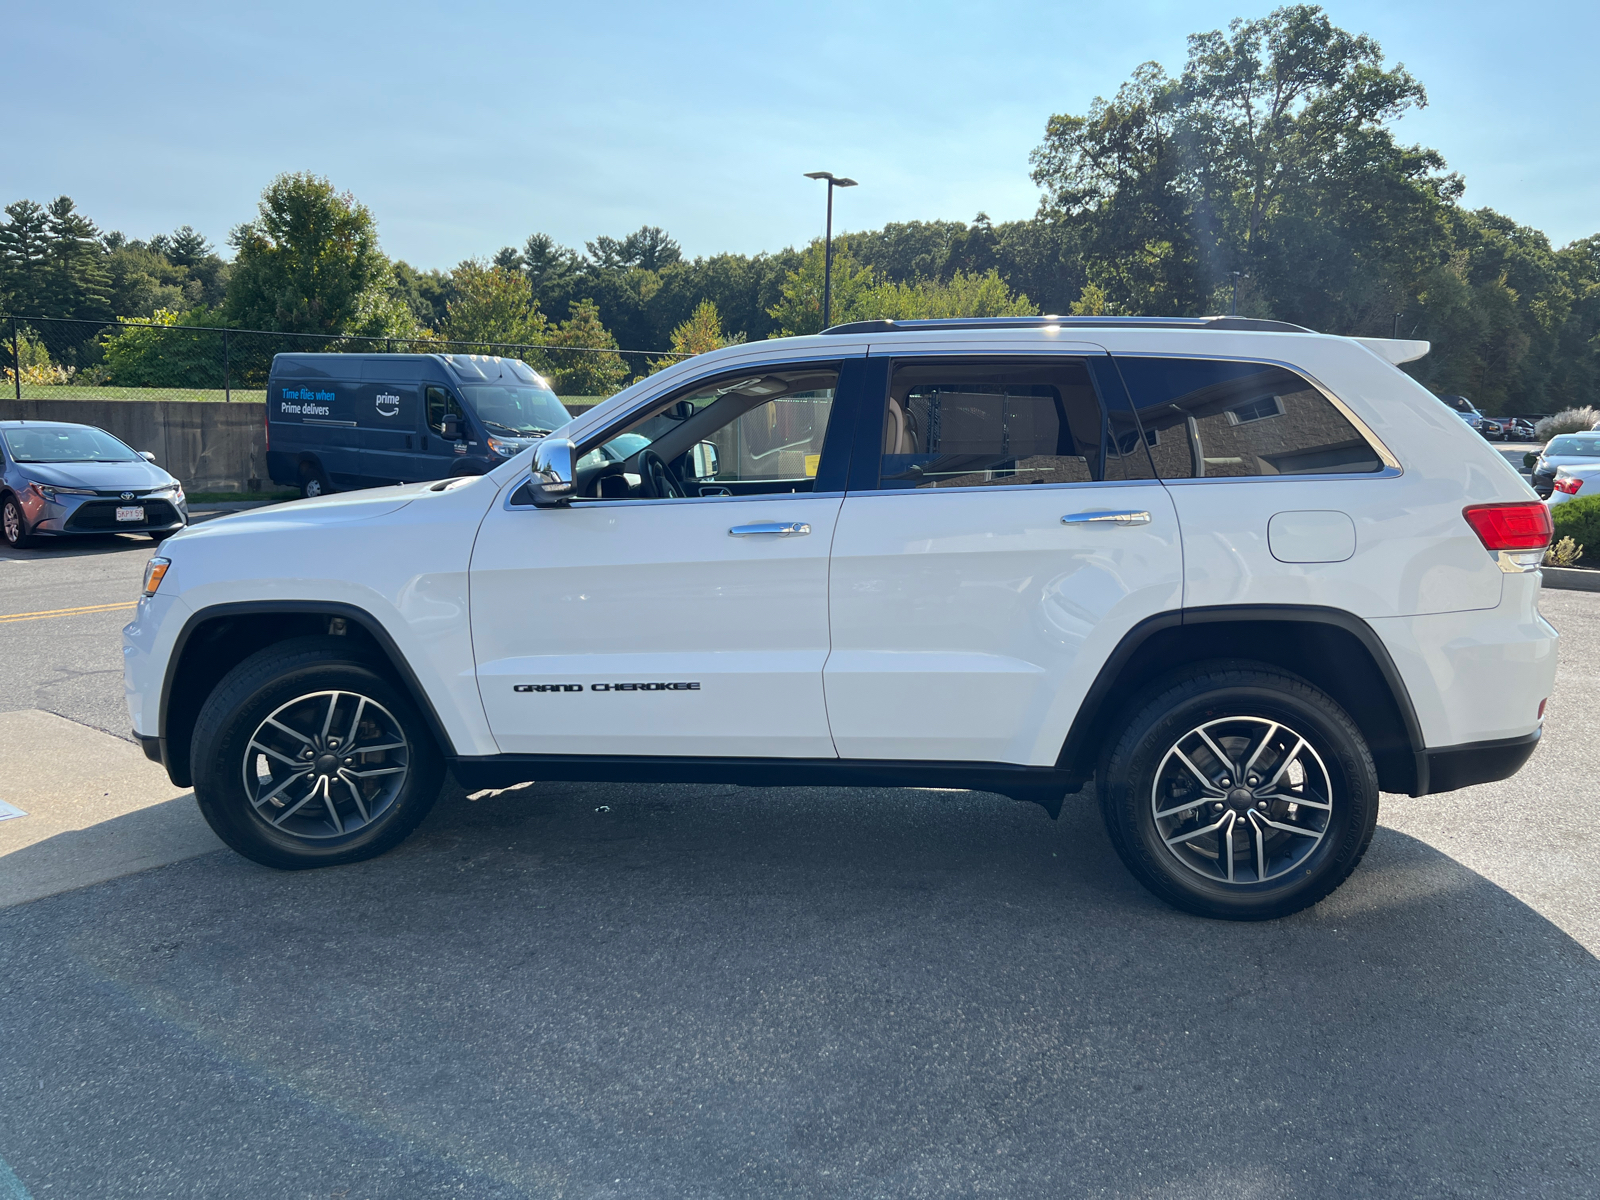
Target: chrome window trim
x,y
617,424
635,502
1009,487
1373,440
1386,473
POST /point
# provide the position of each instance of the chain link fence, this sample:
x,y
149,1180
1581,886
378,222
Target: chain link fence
x,y
52,358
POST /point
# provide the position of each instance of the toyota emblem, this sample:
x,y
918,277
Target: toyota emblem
x,y
127,495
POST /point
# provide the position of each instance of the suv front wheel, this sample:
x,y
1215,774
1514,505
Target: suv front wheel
x,y
1239,791
305,756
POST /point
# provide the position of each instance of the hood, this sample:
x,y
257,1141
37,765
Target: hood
x,y
135,476
338,509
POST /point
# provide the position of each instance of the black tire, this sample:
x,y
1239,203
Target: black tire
x,y
1233,698
263,685
313,481
14,524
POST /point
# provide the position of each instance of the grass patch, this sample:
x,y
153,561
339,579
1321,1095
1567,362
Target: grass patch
x,y
69,391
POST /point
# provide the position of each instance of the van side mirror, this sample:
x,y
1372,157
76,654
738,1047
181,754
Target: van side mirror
x,y
705,460
552,481
452,427
147,455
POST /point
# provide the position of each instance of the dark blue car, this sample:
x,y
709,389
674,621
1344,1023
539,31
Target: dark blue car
x,y
58,479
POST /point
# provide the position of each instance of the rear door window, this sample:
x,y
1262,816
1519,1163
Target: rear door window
x,y
964,423
1211,418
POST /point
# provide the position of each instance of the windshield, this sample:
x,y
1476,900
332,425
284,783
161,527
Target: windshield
x,y
65,443
1579,445
518,411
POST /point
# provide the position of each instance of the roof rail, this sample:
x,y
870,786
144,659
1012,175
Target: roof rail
x,y
1231,324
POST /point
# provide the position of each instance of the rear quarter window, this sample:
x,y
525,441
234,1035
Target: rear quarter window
x,y
1210,419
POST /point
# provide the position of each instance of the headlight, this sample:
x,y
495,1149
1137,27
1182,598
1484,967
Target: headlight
x,y
49,490
154,572
175,490
505,448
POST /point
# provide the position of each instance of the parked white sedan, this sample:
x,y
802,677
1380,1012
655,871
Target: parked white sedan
x,y
1574,481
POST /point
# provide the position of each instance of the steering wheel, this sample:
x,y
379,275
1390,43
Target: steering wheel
x,y
658,480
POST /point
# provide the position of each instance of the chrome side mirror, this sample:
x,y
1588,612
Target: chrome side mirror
x,y
705,460
552,481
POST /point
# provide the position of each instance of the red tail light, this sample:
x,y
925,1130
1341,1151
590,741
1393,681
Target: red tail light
x,y
1567,483
1520,525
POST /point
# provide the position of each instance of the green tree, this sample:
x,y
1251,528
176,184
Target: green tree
x,y
24,257
76,282
168,355
963,295
702,332
582,358
310,263
1271,155
492,305
799,311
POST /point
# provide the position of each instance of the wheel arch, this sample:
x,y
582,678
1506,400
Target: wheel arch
x,y
217,638
1332,649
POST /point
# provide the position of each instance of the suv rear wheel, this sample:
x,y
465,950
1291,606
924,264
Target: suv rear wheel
x,y
1239,791
305,756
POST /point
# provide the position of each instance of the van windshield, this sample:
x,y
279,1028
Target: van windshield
x,y
518,411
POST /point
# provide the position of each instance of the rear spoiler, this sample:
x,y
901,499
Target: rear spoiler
x,y
1395,350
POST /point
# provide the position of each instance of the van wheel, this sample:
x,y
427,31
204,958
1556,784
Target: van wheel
x,y
305,756
1239,791
313,482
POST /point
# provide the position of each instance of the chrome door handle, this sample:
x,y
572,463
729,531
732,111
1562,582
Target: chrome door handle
x,y
1127,517
771,529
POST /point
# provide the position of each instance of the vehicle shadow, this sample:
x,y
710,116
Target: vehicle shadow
x,y
79,546
662,991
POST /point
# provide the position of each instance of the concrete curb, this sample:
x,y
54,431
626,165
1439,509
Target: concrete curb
x,y
1572,579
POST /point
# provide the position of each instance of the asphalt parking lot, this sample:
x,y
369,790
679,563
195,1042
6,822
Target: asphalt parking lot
x,y
617,990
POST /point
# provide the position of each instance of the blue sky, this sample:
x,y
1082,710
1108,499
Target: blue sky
x,y
466,127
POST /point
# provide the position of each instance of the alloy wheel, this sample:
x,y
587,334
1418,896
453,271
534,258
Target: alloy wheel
x,y
325,765
13,522
1242,800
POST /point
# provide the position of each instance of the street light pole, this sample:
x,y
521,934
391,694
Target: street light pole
x,y
827,249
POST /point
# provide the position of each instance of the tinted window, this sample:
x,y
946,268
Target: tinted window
x,y
954,424
442,405
1205,418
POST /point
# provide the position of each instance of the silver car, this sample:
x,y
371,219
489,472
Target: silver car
x,y
59,479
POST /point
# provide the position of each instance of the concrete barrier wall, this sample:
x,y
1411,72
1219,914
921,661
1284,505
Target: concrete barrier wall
x,y
210,447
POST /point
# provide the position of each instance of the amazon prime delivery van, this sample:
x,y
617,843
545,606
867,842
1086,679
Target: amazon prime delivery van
x,y
342,421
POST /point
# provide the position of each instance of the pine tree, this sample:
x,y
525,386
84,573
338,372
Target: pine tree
x,y
77,282
24,245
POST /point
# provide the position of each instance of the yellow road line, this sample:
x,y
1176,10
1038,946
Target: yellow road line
x,y
6,618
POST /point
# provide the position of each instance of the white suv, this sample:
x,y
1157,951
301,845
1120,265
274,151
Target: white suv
x,y
1241,575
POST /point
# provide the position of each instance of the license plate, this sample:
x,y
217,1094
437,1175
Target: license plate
x,y
130,512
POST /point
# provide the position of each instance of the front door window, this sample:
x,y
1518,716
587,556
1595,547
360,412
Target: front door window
x,y
751,432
